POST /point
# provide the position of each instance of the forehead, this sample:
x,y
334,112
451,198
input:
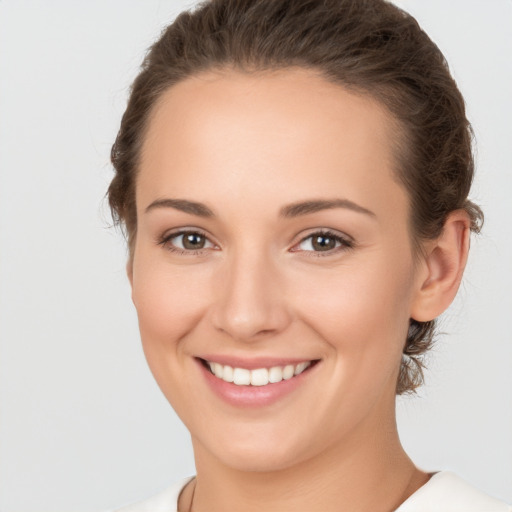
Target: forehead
x,y
270,135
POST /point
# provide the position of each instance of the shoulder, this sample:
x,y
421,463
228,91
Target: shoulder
x,y
447,492
164,501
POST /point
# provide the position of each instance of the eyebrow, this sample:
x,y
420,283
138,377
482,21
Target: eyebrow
x,y
290,211
183,205
316,205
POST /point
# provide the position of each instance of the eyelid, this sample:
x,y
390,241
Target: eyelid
x,y
346,242
166,237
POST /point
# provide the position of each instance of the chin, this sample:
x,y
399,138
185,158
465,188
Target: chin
x,y
258,459
254,451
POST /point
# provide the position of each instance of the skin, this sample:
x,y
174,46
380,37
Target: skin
x,y
246,146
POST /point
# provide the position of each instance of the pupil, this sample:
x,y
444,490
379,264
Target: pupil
x,y
193,241
323,243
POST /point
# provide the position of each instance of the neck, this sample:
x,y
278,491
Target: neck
x,y
368,471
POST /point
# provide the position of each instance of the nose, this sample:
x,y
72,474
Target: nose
x,y
250,299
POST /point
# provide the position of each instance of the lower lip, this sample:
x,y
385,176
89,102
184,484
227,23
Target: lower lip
x,y
254,396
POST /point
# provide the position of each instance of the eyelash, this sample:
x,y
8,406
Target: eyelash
x,y
165,242
345,243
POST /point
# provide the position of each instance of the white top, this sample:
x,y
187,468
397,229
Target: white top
x,y
444,492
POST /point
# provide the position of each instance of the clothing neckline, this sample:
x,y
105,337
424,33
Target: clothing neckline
x,y
445,491
418,493
435,477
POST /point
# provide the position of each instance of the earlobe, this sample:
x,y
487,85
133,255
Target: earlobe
x,y
444,265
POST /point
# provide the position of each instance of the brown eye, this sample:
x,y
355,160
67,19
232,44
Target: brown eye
x,y
193,241
326,242
323,243
187,241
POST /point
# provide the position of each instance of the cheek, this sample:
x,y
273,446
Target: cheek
x,y
170,301
361,310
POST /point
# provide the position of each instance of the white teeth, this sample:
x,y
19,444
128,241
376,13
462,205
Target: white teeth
x,y
227,374
259,376
241,376
301,367
218,370
288,371
275,374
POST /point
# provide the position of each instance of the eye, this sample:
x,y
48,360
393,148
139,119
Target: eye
x,y
186,241
323,242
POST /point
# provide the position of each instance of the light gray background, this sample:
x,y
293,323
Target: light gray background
x,y
83,426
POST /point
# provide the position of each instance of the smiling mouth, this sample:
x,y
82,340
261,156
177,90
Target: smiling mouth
x,y
258,376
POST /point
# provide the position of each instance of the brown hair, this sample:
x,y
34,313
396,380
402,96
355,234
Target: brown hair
x,y
369,46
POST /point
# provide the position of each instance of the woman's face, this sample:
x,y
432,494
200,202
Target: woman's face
x,y
271,232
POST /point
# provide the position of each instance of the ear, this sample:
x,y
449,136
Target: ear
x,y
443,267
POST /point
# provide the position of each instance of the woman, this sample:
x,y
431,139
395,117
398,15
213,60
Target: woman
x,y
293,178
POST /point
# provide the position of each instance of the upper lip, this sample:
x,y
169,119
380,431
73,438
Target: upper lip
x,y
253,362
